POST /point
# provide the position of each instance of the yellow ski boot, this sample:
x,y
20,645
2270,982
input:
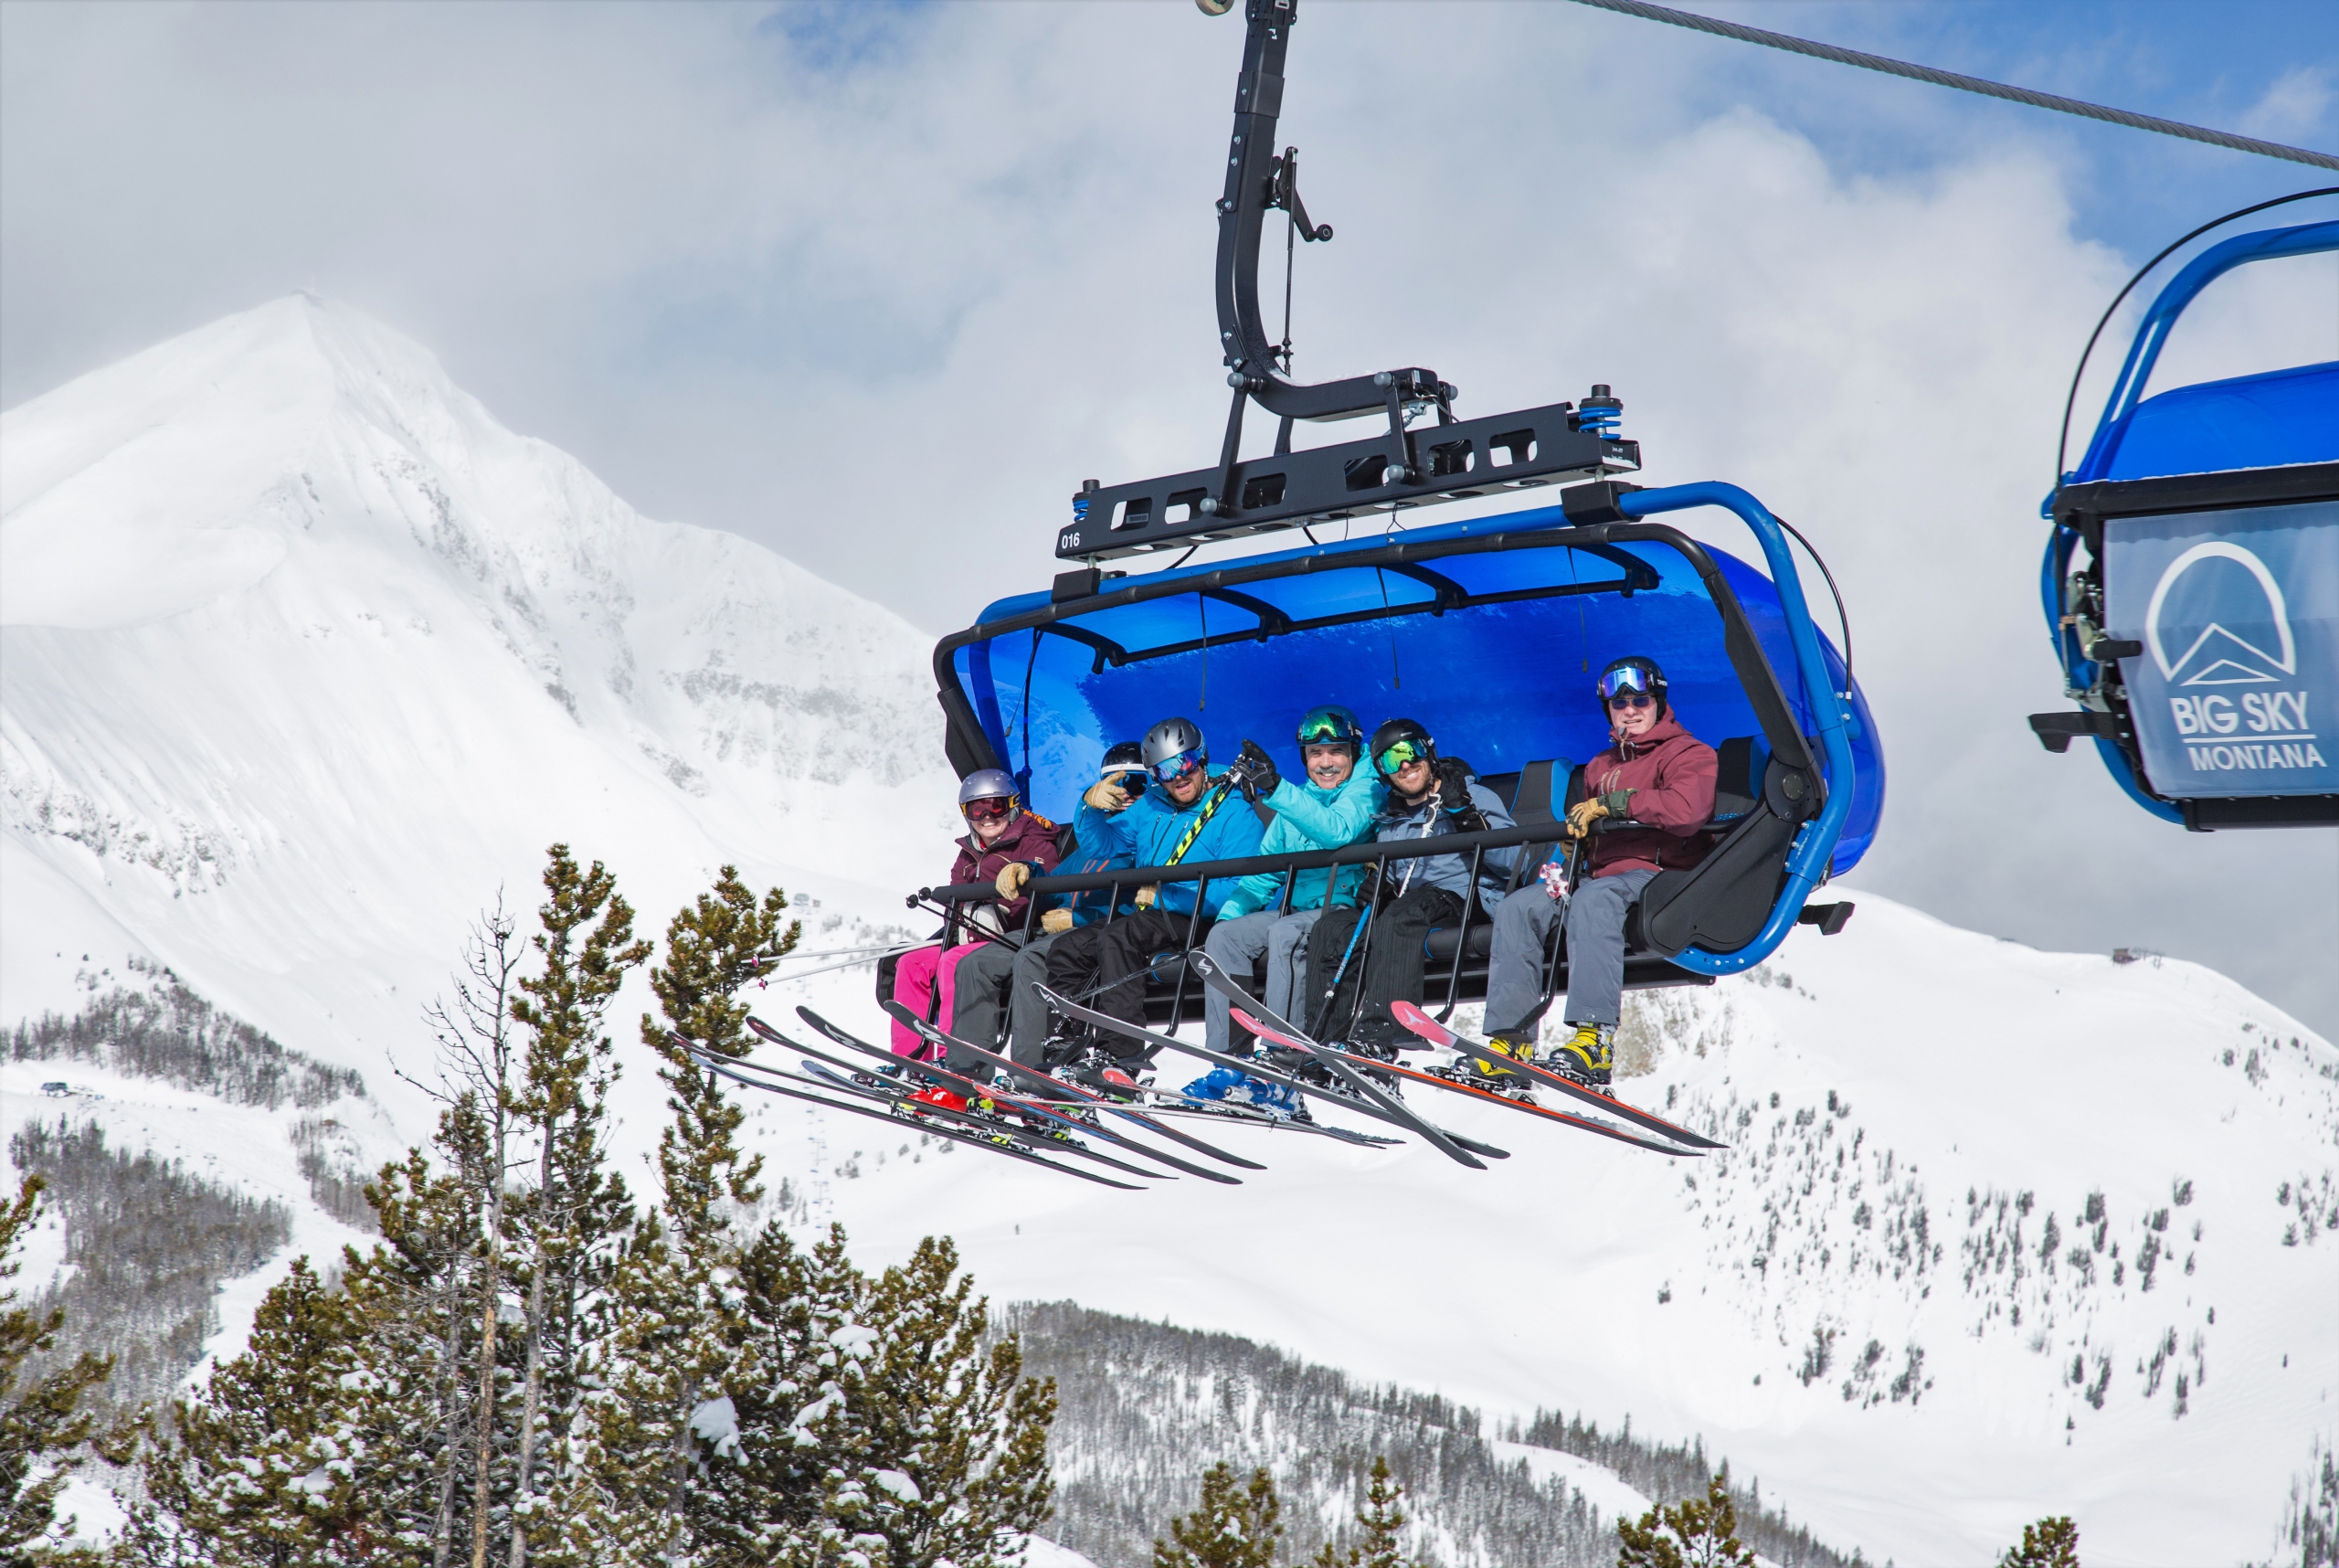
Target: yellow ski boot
x,y
1510,1049
1584,1055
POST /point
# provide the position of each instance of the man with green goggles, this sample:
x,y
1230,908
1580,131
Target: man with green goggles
x,y
1334,806
1360,961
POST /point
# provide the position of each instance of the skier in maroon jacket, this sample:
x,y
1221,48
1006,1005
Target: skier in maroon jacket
x,y
1660,778
1001,836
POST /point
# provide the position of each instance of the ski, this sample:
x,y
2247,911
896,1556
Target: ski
x,y
1219,980
1027,1140
1437,1034
1255,1069
1437,1080
842,1077
1242,1113
996,1145
1018,1102
933,1036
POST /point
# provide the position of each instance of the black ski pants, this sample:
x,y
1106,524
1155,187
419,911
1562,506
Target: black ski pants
x,y
1105,966
1386,961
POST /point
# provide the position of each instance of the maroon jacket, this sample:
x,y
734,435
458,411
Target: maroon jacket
x,y
1030,837
1670,774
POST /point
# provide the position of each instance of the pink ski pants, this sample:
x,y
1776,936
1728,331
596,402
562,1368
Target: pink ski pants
x,y
921,969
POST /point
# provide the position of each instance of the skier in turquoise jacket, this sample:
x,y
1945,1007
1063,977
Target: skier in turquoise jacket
x,y
1332,807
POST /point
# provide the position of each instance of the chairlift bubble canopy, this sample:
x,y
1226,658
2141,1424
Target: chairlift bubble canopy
x,y
1491,632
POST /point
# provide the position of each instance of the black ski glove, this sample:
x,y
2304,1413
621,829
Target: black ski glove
x,y
1258,770
1454,796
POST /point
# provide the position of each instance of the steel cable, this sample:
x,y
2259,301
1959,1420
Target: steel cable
x,y
1795,46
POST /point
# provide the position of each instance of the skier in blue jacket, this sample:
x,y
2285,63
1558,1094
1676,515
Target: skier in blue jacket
x,y
1191,813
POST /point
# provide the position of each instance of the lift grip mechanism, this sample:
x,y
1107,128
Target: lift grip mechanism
x,y
1393,471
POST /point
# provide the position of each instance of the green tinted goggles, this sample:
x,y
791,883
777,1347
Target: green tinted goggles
x,y
1399,754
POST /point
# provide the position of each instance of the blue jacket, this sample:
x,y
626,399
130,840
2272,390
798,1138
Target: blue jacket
x,y
1148,828
1451,872
1310,817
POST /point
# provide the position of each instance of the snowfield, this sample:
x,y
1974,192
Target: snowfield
x,y
303,656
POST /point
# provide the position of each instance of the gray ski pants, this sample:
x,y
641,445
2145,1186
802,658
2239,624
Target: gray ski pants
x,y
1523,922
1236,944
975,1011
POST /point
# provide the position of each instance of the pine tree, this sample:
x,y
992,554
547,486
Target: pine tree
x,y
1380,1519
1697,1532
673,1348
44,1424
2052,1542
573,1220
261,1467
1236,1527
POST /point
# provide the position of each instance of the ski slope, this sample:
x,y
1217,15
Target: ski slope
x,y
303,656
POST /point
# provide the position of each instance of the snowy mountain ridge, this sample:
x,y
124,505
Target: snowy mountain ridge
x,y
293,630
303,656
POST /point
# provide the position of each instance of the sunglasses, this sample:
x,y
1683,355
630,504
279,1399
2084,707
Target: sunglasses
x,y
1402,754
1170,769
989,809
1633,700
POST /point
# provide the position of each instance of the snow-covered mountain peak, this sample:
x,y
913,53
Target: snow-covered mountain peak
x,y
295,629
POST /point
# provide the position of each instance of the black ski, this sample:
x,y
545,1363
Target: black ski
x,y
1437,1034
915,1111
996,1145
933,1036
1243,1113
1438,1081
1219,980
840,1075
1258,1070
1020,1102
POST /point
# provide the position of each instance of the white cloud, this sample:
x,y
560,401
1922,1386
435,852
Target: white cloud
x,y
881,299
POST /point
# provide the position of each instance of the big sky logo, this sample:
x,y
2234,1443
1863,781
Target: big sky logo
x,y
2240,668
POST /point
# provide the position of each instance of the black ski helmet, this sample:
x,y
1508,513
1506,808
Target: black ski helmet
x,y
1332,725
1173,737
1125,757
1633,672
1401,730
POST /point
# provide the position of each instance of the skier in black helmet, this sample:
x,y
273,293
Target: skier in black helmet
x,y
1657,779
1350,975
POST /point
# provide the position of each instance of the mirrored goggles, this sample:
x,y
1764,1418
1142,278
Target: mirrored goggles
x,y
1630,678
1624,700
990,809
1170,769
1403,752
1324,729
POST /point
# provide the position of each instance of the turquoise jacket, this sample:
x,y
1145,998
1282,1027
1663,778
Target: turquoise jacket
x,y
1148,830
1310,817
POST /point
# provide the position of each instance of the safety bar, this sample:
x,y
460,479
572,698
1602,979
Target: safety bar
x,y
1251,865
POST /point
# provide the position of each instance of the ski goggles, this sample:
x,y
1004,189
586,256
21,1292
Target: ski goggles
x,y
1629,678
991,809
1170,769
1402,754
1325,727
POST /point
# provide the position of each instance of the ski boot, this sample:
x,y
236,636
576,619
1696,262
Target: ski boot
x,y
1377,1050
1217,1084
1506,1049
1584,1055
1100,1070
1278,1099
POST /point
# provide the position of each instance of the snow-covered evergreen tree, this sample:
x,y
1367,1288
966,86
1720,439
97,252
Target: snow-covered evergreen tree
x,y
1236,1525
1380,1518
42,1425
1697,1532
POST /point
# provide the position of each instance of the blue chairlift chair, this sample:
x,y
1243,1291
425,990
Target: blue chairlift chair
x,y
2199,636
